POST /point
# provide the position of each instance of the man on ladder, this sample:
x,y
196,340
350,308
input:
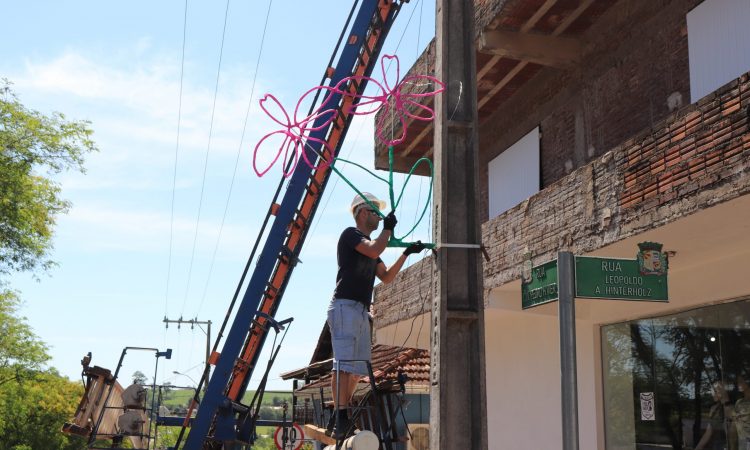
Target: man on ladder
x,y
349,311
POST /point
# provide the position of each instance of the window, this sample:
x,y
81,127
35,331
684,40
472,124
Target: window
x,y
718,44
514,174
678,381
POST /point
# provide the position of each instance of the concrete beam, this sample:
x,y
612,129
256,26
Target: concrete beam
x,y
458,408
553,51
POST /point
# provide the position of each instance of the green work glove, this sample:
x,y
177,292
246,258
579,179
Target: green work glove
x,y
415,247
390,221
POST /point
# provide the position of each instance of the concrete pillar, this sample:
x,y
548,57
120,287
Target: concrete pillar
x,y
458,416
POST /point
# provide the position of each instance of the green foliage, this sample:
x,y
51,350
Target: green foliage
x,y
33,410
34,402
22,354
139,378
32,147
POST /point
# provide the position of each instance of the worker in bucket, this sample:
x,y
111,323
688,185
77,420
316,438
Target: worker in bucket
x,y
359,263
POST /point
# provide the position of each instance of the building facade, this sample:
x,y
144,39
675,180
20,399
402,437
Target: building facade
x,y
604,124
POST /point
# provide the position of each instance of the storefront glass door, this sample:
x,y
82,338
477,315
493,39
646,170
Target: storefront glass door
x,y
679,381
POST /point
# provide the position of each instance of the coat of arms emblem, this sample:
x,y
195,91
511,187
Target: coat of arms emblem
x,y
526,269
651,260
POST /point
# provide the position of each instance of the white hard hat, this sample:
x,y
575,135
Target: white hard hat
x,y
358,200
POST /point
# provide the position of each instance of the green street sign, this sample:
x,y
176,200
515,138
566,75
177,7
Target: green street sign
x,y
621,279
539,285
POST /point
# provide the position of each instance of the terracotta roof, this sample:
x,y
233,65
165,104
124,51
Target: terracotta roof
x,y
387,362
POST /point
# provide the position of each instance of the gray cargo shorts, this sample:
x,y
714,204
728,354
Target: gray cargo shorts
x,y
349,322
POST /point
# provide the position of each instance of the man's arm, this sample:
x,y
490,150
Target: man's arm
x,y
387,274
373,249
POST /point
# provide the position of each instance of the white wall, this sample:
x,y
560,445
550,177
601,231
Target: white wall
x,y
718,44
523,381
513,176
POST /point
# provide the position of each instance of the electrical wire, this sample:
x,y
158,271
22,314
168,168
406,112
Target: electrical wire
x,y
237,159
205,162
176,152
261,233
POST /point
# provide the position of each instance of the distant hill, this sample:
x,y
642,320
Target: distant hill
x,y
179,398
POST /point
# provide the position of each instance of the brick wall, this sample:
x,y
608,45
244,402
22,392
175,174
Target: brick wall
x,y
689,161
696,151
635,58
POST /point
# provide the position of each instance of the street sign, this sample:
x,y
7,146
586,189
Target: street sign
x,y
295,437
618,279
539,285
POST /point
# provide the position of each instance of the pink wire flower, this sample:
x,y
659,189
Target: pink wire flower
x,y
295,134
392,101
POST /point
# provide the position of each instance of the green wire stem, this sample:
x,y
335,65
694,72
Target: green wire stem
x,y
393,241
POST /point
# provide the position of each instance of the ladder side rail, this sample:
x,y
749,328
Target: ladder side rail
x,y
214,396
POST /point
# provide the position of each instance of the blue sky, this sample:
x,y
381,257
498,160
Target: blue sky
x,y
118,64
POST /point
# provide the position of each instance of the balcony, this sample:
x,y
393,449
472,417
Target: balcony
x,y
694,159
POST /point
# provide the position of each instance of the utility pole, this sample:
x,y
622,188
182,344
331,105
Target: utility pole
x,y
193,323
458,411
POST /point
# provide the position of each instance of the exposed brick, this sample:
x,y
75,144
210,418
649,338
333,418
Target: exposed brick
x,y
707,180
650,191
648,163
731,106
657,167
674,161
689,153
696,165
668,196
679,135
672,151
711,116
734,148
714,158
676,181
723,132
692,121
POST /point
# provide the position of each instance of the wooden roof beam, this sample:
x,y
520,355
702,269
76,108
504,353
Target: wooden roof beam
x,y
559,30
553,51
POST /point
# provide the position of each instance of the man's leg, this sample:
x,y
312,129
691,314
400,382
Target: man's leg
x,y
345,320
353,380
343,389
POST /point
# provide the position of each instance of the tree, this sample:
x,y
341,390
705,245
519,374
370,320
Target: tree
x,y
34,410
22,354
33,147
139,378
34,402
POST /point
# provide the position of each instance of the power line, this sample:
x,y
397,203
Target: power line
x,y
237,159
205,162
176,151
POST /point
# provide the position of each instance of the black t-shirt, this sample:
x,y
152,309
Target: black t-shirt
x,y
356,276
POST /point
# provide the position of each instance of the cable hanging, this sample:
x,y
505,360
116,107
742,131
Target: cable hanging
x,y
237,159
176,152
205,162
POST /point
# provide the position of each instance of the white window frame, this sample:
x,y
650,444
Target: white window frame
x,y
718,44
514,175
